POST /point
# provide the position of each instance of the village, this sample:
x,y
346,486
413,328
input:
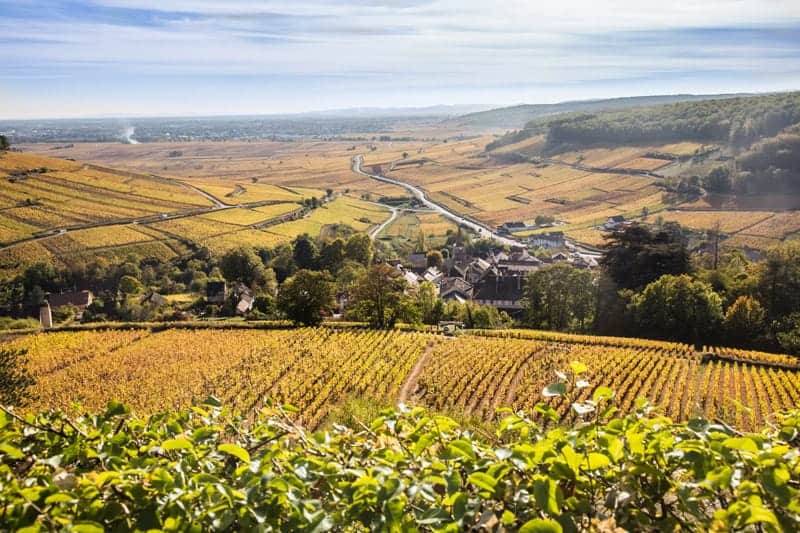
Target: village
x,y
495,278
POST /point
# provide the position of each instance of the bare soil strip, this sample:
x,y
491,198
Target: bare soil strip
x,y
410,384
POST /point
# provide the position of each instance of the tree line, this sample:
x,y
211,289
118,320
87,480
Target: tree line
x,y
305,281
650,286
739,122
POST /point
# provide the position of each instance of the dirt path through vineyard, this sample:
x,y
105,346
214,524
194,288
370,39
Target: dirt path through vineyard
x,y
410,384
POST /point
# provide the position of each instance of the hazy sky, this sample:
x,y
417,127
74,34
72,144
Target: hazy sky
x,y
151,57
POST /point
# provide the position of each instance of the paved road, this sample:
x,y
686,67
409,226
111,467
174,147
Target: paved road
x,y
482,230
218,204
374,233
420,195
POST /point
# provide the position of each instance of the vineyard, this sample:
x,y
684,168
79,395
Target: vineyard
x,y
79,213
314,369
245,171
40,193
582,189
317,369
465,179
408,226
43,193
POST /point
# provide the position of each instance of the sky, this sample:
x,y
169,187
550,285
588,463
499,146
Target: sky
x,y
199,57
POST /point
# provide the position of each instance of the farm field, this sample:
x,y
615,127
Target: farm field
x,y
757,229
408,225
90,245
359,214
633,157
225,229
728,221
259,167
457,174
461,176
241,192
317,369
250,216
464,178
769,232
314,369
42,193
218,230
530,146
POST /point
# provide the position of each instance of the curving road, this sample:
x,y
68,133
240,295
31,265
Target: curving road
x,y
420,195
373,234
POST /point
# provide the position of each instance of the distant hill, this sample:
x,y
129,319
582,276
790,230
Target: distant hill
x,y
515,117
455,110
760,133
738,121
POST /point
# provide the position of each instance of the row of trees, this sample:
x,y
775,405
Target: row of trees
x,y
650,287
304,281
379,296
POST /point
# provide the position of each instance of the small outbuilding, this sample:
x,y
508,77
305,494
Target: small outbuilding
x,y
80,300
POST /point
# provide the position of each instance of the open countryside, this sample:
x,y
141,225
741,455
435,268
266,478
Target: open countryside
x,y
400,266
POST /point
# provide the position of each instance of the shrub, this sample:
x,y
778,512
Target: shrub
x,y
208,469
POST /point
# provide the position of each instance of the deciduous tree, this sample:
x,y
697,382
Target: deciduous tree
x,y
378,295
243,265
332,255
678,308
744,322
304,252
558,295
129,285
359,248
435,259
779,281
307,297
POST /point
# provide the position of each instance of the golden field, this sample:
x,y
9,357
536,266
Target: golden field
x,y
77,212
41,193
458,174
312,166
461,176
408,225
318,369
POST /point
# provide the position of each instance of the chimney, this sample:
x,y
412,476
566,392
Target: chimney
x,y
45,316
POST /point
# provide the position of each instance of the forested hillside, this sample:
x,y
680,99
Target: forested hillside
x,y
772,165
738,121
754,140
517,116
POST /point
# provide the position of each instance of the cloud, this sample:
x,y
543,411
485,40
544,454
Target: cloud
x,y
473,48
